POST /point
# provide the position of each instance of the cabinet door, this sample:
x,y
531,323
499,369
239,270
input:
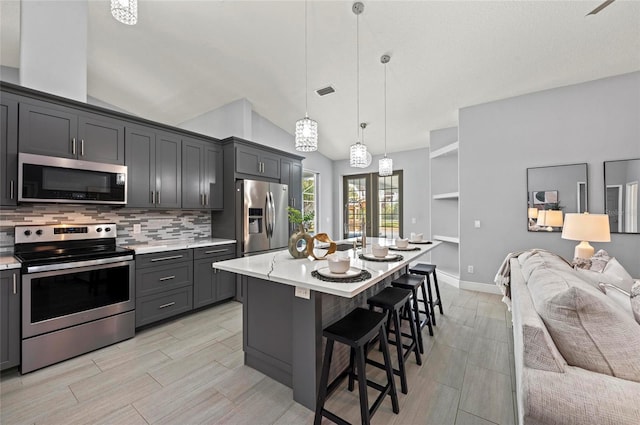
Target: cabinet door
x,y
295,185
225,282
101,139
168,171
193,174
8,150
213,184
204,290
9,319
270,165
48,131
141,167
248,161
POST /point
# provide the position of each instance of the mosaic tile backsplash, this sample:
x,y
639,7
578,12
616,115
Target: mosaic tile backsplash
x,y
155,224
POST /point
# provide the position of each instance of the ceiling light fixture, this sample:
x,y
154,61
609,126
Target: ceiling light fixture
x,y
125,11
385,165
306,128
358,151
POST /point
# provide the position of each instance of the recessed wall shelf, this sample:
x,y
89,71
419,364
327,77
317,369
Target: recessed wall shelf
x,y
453,147
450,195
450,239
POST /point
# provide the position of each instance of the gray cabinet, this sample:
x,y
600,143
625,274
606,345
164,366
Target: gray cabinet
x,y
8,150
211,285
9,318
202,176
164,285
154,168
54,130
256,162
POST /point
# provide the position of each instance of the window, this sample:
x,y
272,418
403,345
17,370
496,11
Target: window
x,y
384,195
310,197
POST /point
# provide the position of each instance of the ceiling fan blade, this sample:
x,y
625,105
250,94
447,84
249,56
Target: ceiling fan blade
x,y
599,8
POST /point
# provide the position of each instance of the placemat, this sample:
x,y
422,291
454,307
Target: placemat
x,y
421,242
382,260
364,275
415,248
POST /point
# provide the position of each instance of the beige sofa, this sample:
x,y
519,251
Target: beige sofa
x,y
549,389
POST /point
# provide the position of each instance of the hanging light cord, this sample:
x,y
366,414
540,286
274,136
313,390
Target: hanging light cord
x,y
357,77
306,65
385,110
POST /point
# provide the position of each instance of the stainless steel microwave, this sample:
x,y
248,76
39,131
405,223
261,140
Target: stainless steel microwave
x,y
51,179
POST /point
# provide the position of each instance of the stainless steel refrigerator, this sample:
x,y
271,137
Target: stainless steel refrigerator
x,y
265,223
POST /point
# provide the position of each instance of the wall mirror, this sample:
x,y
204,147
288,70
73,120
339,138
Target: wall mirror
x,y
621,195
553,192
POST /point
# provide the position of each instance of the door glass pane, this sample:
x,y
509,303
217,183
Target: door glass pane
x,y
355,205
388,206
310,198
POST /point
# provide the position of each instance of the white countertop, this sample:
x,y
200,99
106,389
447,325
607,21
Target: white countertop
x,y
9,262
280,267
173,245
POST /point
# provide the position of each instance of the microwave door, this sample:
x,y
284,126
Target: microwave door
x,y
255,216
280,219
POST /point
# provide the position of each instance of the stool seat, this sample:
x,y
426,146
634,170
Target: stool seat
x,y
390,297
422,268
408,281
356,328
430,270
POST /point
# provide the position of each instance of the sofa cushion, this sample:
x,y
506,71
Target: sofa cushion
x,y
589,330
613,273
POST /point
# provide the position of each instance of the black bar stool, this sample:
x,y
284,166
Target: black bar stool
x,y
426,270
391,300
356,329
412,283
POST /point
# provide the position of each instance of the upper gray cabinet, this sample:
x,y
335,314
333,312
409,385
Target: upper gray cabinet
x,y
55,130
621,179
8,150
553,192
256,162
154,176
202,175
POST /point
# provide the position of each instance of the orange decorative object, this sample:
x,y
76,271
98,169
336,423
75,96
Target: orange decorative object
x,y
322,237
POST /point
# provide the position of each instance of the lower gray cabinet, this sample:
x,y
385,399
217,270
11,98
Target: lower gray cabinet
x,y
9,318
209,284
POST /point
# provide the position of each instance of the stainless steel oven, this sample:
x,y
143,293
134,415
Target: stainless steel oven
x,y
78,291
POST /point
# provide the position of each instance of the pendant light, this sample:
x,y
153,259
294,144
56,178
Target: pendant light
x,y
358,151
306,128
385,165
125,11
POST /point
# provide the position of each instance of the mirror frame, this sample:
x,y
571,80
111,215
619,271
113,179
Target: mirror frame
x,y
580,206
622,195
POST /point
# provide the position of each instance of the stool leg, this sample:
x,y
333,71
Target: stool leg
x,y
416,310
414,335
435,283
324,378
352,367
403,374
433,312
362,386
389,370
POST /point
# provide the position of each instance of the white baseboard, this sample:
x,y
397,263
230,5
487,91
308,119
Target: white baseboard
x,y
480,287
448,279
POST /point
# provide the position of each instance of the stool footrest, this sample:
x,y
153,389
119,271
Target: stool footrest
x,y
337,419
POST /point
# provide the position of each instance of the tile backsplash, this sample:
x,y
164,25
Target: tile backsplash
x,y
155,224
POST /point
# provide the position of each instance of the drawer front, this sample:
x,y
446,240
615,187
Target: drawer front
x,y
161,278
214,251
156,307
162,258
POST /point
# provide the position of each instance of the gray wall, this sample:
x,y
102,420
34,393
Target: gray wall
x,y
415,167
590,122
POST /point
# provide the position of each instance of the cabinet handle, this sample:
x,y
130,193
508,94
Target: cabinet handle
x,y
162,279
166,305
73,146
11,189
205,200
213,251
81,147
158,197
15,287
173,257
153,197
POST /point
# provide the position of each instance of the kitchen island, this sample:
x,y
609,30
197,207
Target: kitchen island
x,y
285,309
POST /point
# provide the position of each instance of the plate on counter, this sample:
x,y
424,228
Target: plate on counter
x,y
352,272
406,248
388,257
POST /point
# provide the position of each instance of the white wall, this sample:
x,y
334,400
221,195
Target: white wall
x,y
590,122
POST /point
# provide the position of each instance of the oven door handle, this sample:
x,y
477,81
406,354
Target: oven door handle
x,y
76,264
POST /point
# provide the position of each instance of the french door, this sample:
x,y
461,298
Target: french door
x,y
373,203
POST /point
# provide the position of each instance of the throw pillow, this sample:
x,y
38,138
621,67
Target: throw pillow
x,y
613,273
618,295
589,330
635,300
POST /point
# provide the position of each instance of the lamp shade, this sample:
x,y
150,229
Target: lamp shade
x,y
532,212
586,227
542,215
553,218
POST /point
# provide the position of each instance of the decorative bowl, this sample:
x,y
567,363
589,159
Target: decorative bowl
x,y
379,251
338,263
402,243
416,237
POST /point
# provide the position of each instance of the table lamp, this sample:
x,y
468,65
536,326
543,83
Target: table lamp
x,y
586,228
532,212
553,218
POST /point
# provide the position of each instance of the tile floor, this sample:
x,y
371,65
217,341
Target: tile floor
x,y
190,371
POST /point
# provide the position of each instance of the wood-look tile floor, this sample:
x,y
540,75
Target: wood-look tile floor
x,y
190,371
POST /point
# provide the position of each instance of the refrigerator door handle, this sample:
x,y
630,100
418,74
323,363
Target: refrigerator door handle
x,y
267,215
272,214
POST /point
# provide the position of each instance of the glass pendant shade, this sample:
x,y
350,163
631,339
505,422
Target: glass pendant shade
x,y
306,135
125,11
358,156
385,166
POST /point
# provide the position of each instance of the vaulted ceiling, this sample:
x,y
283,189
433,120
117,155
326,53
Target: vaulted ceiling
x,y
185,58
